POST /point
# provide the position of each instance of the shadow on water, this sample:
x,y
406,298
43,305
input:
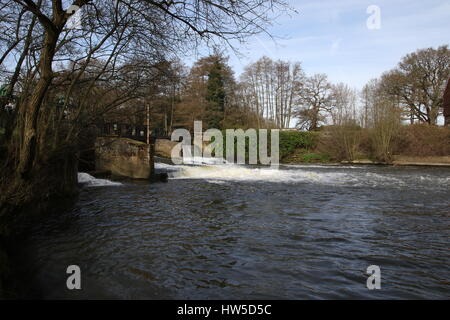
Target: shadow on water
x,y
20,277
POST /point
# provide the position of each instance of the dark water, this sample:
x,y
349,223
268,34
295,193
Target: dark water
x,y
302,232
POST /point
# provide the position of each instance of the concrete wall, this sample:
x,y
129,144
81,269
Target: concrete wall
x,y
124,157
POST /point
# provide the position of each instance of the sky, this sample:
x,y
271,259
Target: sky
x,y
332,37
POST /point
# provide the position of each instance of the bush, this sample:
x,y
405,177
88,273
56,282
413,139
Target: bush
x,y
423,140
291,140
386,139
341,142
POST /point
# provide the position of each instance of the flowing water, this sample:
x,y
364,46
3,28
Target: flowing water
x,y
224,231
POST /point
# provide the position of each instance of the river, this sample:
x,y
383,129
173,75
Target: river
x,y
230,232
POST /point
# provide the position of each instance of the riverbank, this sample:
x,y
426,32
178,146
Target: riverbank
x,y
413,145
405,161
422,161
301,156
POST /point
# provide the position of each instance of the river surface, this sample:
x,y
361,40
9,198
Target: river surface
x,y
229,232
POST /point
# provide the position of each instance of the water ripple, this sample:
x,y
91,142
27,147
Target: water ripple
x,y
304,232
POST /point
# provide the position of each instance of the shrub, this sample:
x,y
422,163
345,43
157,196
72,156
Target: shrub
x,y
291,140
423,140
341,142
288,143
384,134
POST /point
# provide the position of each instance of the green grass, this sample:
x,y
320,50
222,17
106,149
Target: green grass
x,y
315,157
290,141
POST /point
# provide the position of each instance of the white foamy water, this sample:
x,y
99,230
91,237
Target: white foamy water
x,y
229,172
91,181
323,174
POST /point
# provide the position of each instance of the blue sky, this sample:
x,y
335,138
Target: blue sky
x,y
332,37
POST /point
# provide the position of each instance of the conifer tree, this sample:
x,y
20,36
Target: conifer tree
x,y
215,96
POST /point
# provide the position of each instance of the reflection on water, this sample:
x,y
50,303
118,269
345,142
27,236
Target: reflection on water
x,y
229,232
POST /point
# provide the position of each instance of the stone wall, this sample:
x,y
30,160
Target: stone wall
x,y
124,157
163,147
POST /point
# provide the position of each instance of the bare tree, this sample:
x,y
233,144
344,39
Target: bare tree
x,y
343,137
273,88
344,107
418,83
383,114
64,73
315,102
387,120
368,97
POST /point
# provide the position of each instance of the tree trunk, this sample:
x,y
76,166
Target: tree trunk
x,y
33,105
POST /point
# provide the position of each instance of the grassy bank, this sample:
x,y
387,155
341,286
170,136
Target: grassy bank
x,y
418,144
408,145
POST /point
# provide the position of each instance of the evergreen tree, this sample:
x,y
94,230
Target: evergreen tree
x,y
215,96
